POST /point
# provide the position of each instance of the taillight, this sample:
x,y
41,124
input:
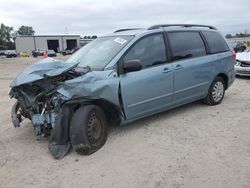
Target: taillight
x,y
234,55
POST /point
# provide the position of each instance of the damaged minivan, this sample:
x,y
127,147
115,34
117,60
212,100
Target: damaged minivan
x,y
119,78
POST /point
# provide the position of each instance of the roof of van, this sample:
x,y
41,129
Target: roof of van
x,y
164,27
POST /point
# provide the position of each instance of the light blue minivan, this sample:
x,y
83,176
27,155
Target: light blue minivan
x,y
119,78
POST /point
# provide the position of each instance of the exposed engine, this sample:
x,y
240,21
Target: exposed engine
x,y
39,102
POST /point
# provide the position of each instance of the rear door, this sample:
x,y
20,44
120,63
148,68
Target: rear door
x,y
150,89
192,67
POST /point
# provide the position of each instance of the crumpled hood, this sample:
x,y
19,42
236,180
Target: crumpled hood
x,y
45,68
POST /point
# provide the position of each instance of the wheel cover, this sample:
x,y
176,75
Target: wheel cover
x,y
218,91
94,129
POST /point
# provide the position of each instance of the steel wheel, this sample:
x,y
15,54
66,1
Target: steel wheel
x,y
94,129
88,129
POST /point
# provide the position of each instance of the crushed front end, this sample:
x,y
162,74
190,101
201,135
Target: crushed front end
x,y
49,92
39,102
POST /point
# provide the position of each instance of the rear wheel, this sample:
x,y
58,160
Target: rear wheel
x,y
216,92
88,129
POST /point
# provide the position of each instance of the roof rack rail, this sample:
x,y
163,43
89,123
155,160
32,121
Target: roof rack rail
x,y
120,30
183,25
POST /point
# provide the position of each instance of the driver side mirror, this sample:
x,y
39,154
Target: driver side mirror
x,y
132,65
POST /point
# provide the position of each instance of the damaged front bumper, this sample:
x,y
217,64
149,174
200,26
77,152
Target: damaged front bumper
x,y
42,116
42,123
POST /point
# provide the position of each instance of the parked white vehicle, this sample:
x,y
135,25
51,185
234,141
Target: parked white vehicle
x,y
242,66
11,53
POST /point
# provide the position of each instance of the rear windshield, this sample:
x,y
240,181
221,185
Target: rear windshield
x,y
215,42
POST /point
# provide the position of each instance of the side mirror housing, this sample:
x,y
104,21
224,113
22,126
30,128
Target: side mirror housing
x,y
132,65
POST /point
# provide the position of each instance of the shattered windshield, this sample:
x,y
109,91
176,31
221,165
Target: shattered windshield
x,y
98,53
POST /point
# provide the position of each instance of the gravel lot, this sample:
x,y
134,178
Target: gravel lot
x,y
192,146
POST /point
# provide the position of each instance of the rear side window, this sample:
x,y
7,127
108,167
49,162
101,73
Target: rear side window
x,y
215,42
186,45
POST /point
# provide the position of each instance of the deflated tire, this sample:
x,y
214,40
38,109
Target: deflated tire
x,y
88,129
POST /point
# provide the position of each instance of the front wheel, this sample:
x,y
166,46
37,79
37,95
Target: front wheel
x,y
216,92
88,129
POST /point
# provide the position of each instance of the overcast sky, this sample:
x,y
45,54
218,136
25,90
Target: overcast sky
x,y
89,17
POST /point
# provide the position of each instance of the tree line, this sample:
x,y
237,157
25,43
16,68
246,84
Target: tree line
x,y
237,35
8,35
89,37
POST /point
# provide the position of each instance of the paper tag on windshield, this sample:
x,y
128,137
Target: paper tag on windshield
x,y
120,40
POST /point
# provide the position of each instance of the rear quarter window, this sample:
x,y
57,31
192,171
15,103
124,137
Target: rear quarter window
x,y
215,42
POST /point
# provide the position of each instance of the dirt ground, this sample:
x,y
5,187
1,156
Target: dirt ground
x,y
192,146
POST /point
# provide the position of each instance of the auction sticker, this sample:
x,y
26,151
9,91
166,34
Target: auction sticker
x,y
120,40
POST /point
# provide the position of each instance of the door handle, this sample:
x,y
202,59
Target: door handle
x,y
166,70
178,67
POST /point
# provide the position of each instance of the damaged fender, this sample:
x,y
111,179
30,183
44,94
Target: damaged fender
x,y
49,92
103,87
97,84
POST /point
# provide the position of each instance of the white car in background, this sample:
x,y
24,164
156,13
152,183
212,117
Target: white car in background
x,y
11,53
242,66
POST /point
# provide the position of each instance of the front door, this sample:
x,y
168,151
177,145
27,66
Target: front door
x,y
147,91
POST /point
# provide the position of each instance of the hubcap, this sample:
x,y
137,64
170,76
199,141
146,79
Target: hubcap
x,y
94,129
218,91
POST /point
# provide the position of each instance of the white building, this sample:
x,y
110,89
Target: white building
x,y
46,42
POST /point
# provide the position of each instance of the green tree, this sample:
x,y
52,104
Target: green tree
x,y
5,33
228,36
241,34
25,30
89,37
5,37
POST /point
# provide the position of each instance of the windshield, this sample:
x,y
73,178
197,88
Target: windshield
x,y
98,53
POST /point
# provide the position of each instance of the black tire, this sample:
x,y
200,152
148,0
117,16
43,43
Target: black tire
x,y
210,99
18,114
88,129
15,117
